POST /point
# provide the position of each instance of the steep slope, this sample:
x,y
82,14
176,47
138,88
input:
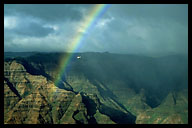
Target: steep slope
x,y
126,86
32,99
173,110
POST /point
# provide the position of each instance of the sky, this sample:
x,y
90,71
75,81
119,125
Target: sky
x,y
123,28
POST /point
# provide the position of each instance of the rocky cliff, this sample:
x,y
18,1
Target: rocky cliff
x,y
32,99
98,88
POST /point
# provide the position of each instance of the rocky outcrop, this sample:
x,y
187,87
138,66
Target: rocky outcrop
x,y
94,89
32,99
173,110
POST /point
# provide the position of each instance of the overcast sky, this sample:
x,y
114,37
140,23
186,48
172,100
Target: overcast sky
x,y
140,29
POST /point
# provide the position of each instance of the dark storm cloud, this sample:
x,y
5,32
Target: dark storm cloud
x,y
25,26
175,12
47,12
34,29
135,29
146,29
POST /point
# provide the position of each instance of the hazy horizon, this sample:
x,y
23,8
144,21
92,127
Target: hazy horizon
x,y
146,55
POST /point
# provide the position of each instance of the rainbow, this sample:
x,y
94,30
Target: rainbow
x,y
89,23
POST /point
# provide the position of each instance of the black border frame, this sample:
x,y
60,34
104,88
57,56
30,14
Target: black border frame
x,y
103,2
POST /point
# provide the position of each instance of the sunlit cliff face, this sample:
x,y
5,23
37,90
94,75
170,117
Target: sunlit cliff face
x,y
100,88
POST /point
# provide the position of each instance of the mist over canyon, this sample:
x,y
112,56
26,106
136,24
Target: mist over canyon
x,y
96,88
95,63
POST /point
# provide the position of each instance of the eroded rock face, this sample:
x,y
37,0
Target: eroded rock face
x,y
32,99
10,99
173,110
